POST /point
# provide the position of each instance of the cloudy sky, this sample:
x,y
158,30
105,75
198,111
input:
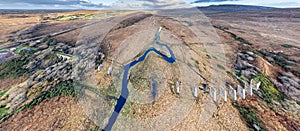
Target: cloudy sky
x,y
135,4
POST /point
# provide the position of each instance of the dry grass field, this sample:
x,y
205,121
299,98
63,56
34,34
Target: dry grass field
x,y
52,51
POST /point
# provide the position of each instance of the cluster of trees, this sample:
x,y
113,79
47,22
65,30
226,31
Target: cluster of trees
x,y
14,68
65,88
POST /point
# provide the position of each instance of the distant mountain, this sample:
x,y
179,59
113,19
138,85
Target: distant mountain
x,y
33,11
233,8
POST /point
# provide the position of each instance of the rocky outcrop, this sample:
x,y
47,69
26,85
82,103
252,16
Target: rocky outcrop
x,y
291,87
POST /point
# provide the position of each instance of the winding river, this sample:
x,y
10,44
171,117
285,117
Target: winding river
x,y
124,93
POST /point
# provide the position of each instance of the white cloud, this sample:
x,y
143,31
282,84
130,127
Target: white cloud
x,y
149,4
134,4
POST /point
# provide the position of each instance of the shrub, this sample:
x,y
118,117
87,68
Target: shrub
x,y
269,91
3,111
14,68
221,67
287,46
249,116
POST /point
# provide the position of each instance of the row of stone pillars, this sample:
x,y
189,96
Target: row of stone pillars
x,y
234,93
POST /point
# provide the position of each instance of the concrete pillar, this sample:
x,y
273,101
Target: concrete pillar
x,y
223,93
232,93
100,67
195,91
249,90
109,71
177,87
213,93
241,91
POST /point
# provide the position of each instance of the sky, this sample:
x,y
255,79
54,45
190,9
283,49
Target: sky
x,y
136,4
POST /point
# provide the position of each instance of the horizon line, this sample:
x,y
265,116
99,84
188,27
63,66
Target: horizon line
x,y
145,9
